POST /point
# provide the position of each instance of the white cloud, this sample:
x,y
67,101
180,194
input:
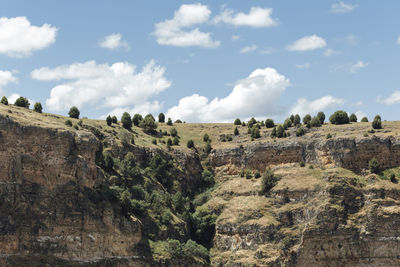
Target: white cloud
x,y
248,49
394,98
350,39
358,103
18,38
303,66
113,41
304,106
360,114
172,31
307,43
11,99
257,17
357,66
398,40
267,51
235,37
255,95
89,83
6,77
341,8
330,52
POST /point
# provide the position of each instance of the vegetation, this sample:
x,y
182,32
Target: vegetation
x,y
190,143
173,132
274,133
255,132
364,119
269,180
296,120
161,118
339,117
315,122
169,122
175,141
377,122
38,107
74,112
353,118
4,100
269,123
206,138
374,166
306,118
23,102
109,120
148,124
321,117
236,131
68,123
126,121
237,122
300,131
287,124
208,148
114,119
280,131
137,118
251,122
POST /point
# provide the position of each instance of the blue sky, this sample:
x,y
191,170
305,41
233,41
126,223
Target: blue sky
x,y
203,61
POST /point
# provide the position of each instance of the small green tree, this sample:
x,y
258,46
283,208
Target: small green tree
x,y
206,138
169,142
126,121
175,141
237,122
173,132
273,133
22,102
339,117
178,121
353,117
208,147
292,118
68,123
269,123
300,131
269,180
255,132
296,120
114,119
161,117
377,124
364,119
315,122
190,143
306,118
137,118
37,107
74,112
378,117
169,122
374,166
251,122
148,124
287,124
280,131
321,117
4,100
236,131
109,120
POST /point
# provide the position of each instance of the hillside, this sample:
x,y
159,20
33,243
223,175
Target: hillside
x,y
99,195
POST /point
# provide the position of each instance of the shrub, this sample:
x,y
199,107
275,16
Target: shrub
x,y
76,127
190,143
364,119
229,138
339,117
300,131
4,100
248,174
208,148
280,131
175,141
126,138
291,118
178,121
296,120
302,163
257,174
374,166
154,141
393,178
161,117
255,132
251,122
37,107
108,162
68,123
377,122
169,122
321,117
273,133
22,102
204,224
114,119
243,123
109,120
328,136
287,124
208,178
74,112
236,131
269,123
378,117
242,172
148,124
80,122
137,118
315,122
269,180
306,118
169,142
173,132
126,121
237,122
206,137
308,125
353,117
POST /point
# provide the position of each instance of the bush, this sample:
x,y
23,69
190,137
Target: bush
x,y
302,163
208,178
154,141
108,162
37,107
68,123
269,123
126,138
374,166
321,117
80,122
306,118
74,112
255,132
208,148
206,138
4,100
248,174
364,119
378,117
328,136
273,133
300,131
287,124
315,122
137,118
114,119
175,141
257,174
280,131
353,117
169,142
237,122
169,122
109,120
236,131
242,172
296,120
148,124
377,122
22,102
178,121
204,224
161,117
269,180
339,117
126,121
251,122
173,132
190,143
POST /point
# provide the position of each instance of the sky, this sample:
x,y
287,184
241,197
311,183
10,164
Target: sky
x,y
206,61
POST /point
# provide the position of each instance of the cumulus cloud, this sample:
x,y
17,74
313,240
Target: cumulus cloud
x,y
113,42
175,31
89,83
18,38
304,106
6,77
307,43
248,49
394,98
255,95
357,66
342,8
257,17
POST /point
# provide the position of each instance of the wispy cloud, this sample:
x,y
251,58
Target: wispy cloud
x,y
342,8
307,43
394,98
303,66
113,42
248,49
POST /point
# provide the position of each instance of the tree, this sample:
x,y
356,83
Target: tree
x,y
190,143
255,132
251,122
169,122
296,120
237,122
292,118
126,121
148,124
108,162
114,119
175,141
68,123
178,121
269,123
208,147
269,180
236,131
353,118
137,118
374,166
321,117
315,122
287,124
364,119
173,132
22,102
280,131
4,100
74,112
37,107
206,138
109,120
378,117
169,142
377,122
339,117
161,117
300,132
273,133
306,118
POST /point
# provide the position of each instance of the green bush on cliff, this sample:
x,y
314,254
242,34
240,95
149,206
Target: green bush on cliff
x,y
204,224
126,121
269,123
269,180
339,117
38,107
374,165
22,102
73,112
4,100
